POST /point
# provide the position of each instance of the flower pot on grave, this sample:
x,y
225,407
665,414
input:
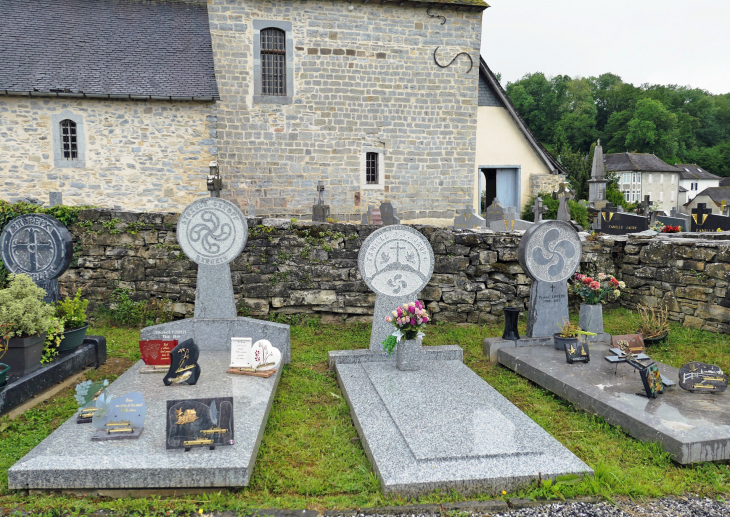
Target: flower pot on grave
x,y
72,339
591,319
4,369
560,342
24,354
510,323
648,341
408,354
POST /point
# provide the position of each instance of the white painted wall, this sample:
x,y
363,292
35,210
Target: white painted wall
x,y
701,185
501,142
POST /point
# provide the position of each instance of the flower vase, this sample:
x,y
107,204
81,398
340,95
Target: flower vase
x,y
591,320
408,354
510,323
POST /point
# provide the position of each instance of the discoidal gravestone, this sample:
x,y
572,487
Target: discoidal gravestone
x,y
211,232
440,426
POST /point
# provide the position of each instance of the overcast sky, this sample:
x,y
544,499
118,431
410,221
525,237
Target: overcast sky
x,y
643,41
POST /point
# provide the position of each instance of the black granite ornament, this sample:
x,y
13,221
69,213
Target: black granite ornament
x,y
702,378
199,423
577,352
184,367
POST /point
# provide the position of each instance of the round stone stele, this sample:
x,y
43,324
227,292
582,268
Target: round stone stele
x,y
550,251
212,231
37,245
396,261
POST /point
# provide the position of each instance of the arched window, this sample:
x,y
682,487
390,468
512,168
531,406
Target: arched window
x,y
273,62
69,142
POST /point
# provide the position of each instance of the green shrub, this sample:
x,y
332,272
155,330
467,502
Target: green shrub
x,y
126,312
22,310
72,311
578,212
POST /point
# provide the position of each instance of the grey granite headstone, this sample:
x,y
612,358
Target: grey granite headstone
x,y
467,218
550,253
495,212
538,209
55,198
388,214
39,246
395,262
212,232
511,222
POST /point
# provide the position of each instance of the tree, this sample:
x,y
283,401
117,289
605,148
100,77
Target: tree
x,y
653,129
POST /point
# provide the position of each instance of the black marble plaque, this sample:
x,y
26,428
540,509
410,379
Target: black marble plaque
x,y
620,223
39,246
184,367
577,352
702,378
652,380
199,423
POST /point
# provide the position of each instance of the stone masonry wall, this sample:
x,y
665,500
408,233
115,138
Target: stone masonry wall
x,y
542,183
364,79
146,155
299,268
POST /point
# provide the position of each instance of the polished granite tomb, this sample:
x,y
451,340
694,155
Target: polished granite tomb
x,y
68,459
692,427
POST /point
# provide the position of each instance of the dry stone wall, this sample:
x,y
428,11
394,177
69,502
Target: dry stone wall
x,y
295,268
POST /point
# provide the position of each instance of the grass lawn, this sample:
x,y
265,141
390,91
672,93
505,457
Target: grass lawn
x,y
310,456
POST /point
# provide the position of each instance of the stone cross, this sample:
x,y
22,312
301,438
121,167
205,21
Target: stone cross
x,y
645,206
39,246
320,189
320,211
396,262
212,232
538,209
563,195
549,253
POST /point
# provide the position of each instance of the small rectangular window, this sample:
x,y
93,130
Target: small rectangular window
x,y
273,62
371,168
69,143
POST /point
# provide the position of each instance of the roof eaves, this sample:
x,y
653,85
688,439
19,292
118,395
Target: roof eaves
x,y
122,96
552,164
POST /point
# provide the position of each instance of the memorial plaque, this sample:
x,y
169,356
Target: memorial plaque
x,y
259,359
156,352
703,220
184,367
240,350
87,393
634,343
577,352
395,262
199,423
118,418
39,246
620,223
550,253
702,378
652,380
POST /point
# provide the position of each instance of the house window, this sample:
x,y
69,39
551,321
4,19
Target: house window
x,y
649,177
661,196
273,62
673,179
69,142
371,168
673,196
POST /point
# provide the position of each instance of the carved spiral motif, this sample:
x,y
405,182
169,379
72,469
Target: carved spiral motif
x,y
210,230
552,251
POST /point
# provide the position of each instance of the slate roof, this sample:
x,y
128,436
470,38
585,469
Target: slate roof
x,y
636,162
682,189
106,47
716,194
725,182
495,89
690,171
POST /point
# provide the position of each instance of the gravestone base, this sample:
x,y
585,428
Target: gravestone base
x,y
690,427
491,345
443,427
68,459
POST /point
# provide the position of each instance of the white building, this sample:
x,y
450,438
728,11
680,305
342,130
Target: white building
x,y
695,179
646,175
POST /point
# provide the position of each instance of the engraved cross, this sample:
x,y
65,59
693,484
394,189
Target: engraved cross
x,y
397,249
32,247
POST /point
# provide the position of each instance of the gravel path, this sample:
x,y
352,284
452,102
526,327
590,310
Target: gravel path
x,y
674,507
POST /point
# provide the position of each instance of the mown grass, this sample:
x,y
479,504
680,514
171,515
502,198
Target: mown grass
x,y
311,457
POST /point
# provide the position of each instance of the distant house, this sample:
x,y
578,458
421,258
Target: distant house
x,y
511,164
712,197
695,179
645,175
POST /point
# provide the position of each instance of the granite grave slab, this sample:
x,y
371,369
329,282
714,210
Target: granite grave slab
x,y
621,223
68,459
692,427
480,441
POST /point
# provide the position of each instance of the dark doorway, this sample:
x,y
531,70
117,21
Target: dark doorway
x,y
489,186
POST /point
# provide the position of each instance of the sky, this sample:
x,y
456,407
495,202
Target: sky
x,y
642,41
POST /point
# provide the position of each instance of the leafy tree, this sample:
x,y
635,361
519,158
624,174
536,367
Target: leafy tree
x,y
653,129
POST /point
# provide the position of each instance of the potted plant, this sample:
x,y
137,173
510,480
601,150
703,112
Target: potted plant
x,y
569,333
593,292
72,311
26,320
409,322
653,323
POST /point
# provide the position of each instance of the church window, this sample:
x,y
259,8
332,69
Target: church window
x,y
371,168
273,62
69,143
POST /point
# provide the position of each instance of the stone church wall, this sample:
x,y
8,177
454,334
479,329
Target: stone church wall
x,y
364,78
145,155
